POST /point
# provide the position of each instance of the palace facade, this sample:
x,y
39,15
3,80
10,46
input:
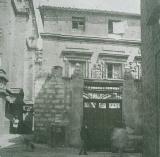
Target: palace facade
x,y
71,62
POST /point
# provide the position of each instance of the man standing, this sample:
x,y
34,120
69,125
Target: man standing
x,y
28,123
84,137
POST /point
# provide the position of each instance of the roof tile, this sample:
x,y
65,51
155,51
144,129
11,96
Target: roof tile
x,y
126,6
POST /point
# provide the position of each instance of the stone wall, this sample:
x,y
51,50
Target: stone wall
x,y
57,38
50,104
76,113
56,19
15,57
150,47
59,102
53,50
132,103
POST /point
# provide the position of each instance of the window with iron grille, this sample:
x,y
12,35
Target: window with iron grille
x,y
78,23
113,70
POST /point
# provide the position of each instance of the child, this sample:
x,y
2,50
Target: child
x,y
15,124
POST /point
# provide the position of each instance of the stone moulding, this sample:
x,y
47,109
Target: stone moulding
x,y
91,39
3,75
3,82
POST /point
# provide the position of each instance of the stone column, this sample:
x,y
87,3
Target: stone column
x,y
76,114
131,101
4,122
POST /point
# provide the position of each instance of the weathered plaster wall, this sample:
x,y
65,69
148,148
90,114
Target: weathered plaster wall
x,y
13,29
17,60
96,24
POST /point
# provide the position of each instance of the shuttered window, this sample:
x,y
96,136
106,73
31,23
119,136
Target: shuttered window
x,y
78,23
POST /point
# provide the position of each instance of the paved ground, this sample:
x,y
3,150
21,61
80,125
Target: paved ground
x,y
13,146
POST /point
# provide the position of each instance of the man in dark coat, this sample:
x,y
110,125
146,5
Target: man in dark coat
x,y
28,123
84,137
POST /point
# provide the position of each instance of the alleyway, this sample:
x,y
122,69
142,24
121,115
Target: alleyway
x,y
13,146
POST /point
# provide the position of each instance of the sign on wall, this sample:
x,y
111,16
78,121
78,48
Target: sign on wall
x,y
114,105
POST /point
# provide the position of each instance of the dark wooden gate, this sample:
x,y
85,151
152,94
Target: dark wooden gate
x,y
102,112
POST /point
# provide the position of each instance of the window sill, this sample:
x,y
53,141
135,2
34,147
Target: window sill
x,y
110,79
116,36
77,30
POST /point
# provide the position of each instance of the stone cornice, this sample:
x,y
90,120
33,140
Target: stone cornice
x,y
91,39
101,82
79,52
3,75
122,56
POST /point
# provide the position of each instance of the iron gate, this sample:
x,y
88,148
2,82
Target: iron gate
x,y
102,111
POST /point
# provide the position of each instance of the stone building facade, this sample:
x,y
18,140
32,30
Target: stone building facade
x,y
103,44
60,56
18,46
150,64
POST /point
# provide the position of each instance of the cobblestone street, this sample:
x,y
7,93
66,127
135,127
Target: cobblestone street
x,y
46,152
13,146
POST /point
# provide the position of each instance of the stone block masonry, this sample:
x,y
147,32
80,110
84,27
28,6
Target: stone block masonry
x,y
60,103
50,98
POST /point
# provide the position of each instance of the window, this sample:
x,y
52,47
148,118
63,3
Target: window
x,y
116,26
78,23
72,65
110,71
113,71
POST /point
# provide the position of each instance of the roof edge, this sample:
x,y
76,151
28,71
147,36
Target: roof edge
x,y
92,10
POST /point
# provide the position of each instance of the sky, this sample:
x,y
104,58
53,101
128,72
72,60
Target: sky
x,y
128,6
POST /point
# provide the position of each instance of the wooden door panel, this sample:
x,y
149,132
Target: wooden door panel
x,y
101,120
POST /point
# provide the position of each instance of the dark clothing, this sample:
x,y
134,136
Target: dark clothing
x,y
28,124
83,149
84,133
84,137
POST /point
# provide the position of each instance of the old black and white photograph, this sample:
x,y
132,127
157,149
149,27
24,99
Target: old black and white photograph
x,y
79,78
